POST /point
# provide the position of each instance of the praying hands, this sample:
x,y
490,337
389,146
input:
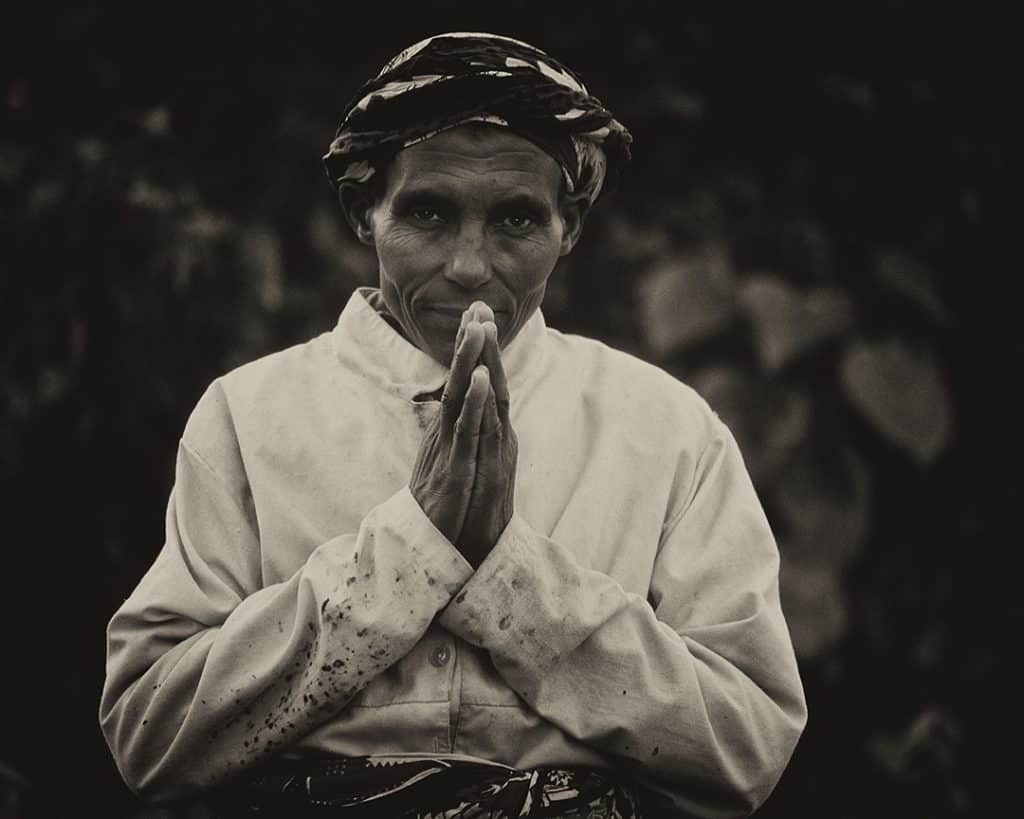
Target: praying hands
x,y
464,476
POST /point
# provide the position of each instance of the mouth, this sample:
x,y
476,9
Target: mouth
x,y
455,310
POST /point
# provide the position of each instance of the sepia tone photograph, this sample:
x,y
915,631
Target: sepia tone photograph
x,y
508,410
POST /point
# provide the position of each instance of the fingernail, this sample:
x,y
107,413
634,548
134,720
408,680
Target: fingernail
x,y
491,330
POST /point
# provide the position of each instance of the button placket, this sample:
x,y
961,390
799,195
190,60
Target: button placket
x,y
440,656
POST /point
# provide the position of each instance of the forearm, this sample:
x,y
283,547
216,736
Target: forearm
x,y
715,711
189,701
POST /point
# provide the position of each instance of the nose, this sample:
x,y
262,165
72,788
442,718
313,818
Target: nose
x,y
469,266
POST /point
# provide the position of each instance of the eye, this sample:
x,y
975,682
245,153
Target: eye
x,y
426,215
518,222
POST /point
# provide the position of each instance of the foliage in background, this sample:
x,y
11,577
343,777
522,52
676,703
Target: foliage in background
x,y
808,237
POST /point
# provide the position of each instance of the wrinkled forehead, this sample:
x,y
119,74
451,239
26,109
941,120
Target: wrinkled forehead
x,y
477,160
480,150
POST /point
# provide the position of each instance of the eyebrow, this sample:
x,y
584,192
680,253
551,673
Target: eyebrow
x,y
439,196
415,196
523,201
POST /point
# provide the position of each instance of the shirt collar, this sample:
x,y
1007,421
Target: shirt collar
x,y
366,343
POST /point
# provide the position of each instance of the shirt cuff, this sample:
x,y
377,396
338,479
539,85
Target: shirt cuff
x,y
531,602
430,553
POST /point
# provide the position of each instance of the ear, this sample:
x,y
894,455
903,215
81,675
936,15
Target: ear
x,y
573,208
357,203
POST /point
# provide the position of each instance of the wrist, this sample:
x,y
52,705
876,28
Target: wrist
x,y
435,509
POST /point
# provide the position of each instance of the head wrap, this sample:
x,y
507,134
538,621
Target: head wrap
x,y
461,77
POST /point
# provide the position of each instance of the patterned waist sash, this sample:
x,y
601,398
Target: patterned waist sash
x,y
416,787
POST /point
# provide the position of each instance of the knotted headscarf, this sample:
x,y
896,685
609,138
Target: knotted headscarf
x,y
461,77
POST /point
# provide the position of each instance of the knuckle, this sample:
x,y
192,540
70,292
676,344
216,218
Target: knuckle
x,y
463,430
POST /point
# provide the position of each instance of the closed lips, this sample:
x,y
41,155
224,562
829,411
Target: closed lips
x,y
456,310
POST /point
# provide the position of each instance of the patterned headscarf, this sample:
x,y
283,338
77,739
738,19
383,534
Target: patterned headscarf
x,y
461,77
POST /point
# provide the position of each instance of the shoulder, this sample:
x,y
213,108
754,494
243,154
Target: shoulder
x,y
630,387
258,386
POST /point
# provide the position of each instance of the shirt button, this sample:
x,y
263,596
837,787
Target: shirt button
x,y
440,655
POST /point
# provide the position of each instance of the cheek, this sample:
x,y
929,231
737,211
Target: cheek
x,y
528,265
530,262
405,258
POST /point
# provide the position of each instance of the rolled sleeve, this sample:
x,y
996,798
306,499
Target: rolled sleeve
x,y
208,673
530,600
695,689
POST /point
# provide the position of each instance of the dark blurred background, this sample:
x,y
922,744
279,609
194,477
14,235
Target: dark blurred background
x,y
812,234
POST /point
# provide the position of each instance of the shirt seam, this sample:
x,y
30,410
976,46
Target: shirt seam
x,y
455,697
188,448
673,521
495,705
443,702
403,702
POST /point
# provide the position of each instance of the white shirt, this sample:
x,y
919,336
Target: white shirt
x,y
627,618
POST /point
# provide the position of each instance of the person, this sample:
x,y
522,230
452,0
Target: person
x,y
444,560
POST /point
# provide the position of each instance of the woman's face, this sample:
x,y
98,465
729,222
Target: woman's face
x,y
474,213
